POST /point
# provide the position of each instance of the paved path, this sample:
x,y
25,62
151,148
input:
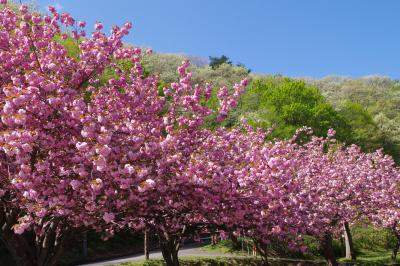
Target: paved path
x,y
189,250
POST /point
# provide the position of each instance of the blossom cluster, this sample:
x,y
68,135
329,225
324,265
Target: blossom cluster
x,y
78,150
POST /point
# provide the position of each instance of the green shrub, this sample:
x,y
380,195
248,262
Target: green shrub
x,y
372,238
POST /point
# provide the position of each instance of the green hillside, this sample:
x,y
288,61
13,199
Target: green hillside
x,y
364,111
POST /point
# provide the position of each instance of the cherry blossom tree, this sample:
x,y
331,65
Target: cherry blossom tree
x,y
385,200
275,206
346,184
77,149
89,141
68,138
315,187
280,209
175,200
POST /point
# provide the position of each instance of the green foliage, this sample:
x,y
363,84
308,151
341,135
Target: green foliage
x,y
365,111
372,133
87,97
372,258
200,261
224,75
372,238
243,66
293,91
312,246
378,97
14,4
70,44
288,104
221,261
372,244
377,259
364,129
224,246
215,62
164,65
160,86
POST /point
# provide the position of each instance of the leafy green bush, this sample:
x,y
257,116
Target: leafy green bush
x,y
372,238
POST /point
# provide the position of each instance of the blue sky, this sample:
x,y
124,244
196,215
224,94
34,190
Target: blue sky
x,y
290,37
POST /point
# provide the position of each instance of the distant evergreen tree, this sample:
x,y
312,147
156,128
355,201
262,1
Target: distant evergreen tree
x,y
215,62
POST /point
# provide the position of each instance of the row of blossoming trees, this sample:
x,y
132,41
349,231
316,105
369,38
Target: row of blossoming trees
x,y
79,152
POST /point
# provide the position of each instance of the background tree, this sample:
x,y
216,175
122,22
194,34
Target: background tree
x,y
215,62
286,105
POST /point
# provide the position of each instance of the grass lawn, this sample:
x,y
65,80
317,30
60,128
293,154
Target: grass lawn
x,y
366,257
225,247
372,258
199,261
217,261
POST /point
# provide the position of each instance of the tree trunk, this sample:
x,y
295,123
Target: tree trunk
x,y
397,246
235,240
29,249
327,248
214,239
27,253
169,248
20,250
348,240
262,249
22,254
395,250
146,244
84,244
170,253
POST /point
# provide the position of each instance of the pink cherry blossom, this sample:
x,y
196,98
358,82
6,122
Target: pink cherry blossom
x,y
108,217
82,24
79,152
